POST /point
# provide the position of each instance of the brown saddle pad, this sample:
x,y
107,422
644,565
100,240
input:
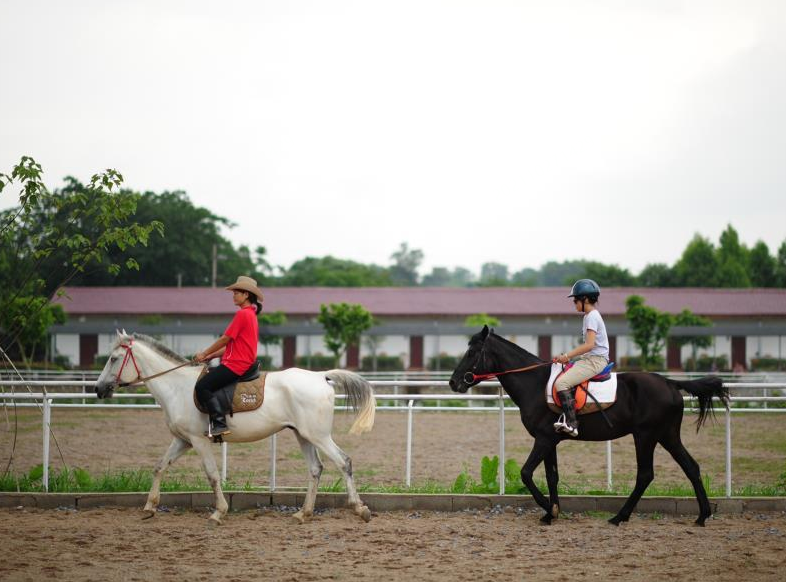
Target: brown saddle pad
x,y
248,396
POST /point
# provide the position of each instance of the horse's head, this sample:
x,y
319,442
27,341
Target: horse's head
x,y
120,366
477,360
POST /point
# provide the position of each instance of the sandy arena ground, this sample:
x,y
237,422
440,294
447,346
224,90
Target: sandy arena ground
x,y
115,545
443,445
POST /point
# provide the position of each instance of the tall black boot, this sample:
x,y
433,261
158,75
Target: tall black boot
x,y
218,421
567,422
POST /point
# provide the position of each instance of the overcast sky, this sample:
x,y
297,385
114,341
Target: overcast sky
x,y
517,132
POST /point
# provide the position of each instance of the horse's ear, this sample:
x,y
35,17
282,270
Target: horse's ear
x,y
485,331
492,330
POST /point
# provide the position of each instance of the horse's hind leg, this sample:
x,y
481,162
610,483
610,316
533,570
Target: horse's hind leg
x,y
332,451
315,471
175,450
202,446
691,468
645,473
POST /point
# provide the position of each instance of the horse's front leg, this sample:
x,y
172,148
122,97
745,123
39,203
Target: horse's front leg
x,y
202,446
552,479
175,450
539,451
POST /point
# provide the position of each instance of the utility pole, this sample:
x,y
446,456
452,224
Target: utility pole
x,y
215,265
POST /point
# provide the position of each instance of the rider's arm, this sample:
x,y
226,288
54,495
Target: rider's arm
x,y
219,344
579,350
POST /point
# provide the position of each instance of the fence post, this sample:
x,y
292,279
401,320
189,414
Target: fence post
x,y
223,462
47,420
501,468
409,442
608,466
728,452
273,463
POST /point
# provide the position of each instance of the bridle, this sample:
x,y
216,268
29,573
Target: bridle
x,y
129,357
471,378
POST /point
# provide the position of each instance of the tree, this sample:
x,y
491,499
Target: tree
x,y
780,266
649,328
656,275
32,316
331,272
762,266
404,271
54,237
493,275
608,275
439,277
272,319
526,277
343,323
481,319
553,274
732,261
698,265
686,318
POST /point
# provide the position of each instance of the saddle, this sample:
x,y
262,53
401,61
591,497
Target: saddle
x,y
244,395
601,390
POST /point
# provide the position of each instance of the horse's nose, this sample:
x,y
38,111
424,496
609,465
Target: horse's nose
x,y
452,384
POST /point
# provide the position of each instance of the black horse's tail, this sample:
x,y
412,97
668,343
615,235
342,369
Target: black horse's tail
x,y
705,389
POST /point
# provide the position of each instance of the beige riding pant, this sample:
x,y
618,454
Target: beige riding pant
x,y
584,368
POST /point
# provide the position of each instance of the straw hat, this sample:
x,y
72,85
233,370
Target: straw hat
x,y
244,283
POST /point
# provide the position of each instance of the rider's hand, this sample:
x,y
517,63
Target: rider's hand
x,y
561,359
200,357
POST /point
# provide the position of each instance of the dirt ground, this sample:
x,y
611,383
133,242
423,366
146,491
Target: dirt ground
x,y
444,444
115,545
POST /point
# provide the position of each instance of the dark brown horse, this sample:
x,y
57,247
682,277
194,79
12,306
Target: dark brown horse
x,y
648,406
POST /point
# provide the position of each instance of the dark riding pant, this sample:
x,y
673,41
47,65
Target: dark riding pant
x,y
214,380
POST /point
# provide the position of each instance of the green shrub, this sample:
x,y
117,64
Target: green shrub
x,y
385,363
706,363
317,361
634,363
265,362
768,364
447,363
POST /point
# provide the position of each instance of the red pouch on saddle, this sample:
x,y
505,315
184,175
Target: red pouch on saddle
x,y
581,390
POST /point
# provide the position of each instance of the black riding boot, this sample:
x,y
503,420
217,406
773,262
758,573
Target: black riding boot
x,y
218,421
567,422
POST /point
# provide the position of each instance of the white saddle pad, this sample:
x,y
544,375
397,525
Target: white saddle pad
x,y
604,392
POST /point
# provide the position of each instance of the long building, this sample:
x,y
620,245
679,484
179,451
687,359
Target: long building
x,y
418,323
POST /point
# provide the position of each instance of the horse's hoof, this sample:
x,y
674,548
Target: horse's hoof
x,y
555,510
365,514
546,519
148,513
615,521
699,522
213,522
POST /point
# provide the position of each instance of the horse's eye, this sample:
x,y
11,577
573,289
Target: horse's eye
x,y
113,359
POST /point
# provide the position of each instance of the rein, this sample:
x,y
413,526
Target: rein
x,y
471,377
139,380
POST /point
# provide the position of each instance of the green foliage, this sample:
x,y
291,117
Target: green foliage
x,y
493,275
443,362
607,275
53,238
385,363
272,319
343,324
265,362
762,266
442,277
481,319
768,364
780,266
649,328
406,261
698,265
656,275
332,272
686,318
631,363
489,478
316,362
707,363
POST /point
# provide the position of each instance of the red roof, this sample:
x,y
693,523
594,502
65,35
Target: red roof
x,y
419,301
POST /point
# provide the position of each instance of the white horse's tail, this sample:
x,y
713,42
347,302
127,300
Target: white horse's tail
x,y
360,396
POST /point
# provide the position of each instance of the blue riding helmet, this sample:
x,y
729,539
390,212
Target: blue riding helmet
x,y
585,288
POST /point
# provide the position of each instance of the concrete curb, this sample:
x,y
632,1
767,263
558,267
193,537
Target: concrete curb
x,y
240,500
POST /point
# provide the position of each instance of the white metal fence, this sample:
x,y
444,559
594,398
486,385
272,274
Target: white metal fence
x,y
403,403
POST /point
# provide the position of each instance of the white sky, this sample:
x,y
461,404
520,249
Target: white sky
x,y
517,132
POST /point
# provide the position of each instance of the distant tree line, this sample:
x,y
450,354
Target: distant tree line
x,y
194,252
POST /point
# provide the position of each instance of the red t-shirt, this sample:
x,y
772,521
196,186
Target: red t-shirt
x,y
243,334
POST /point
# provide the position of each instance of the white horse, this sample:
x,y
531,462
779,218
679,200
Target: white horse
x,y
294,398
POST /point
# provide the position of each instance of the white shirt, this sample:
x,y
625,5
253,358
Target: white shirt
x,y
593,321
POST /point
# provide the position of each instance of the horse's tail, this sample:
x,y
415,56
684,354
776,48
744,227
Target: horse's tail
x,y
705,389
360,396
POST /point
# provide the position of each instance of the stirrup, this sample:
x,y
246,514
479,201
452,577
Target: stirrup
x,y
562,426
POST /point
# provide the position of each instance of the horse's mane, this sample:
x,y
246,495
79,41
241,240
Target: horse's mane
x,y
160,348
518,349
